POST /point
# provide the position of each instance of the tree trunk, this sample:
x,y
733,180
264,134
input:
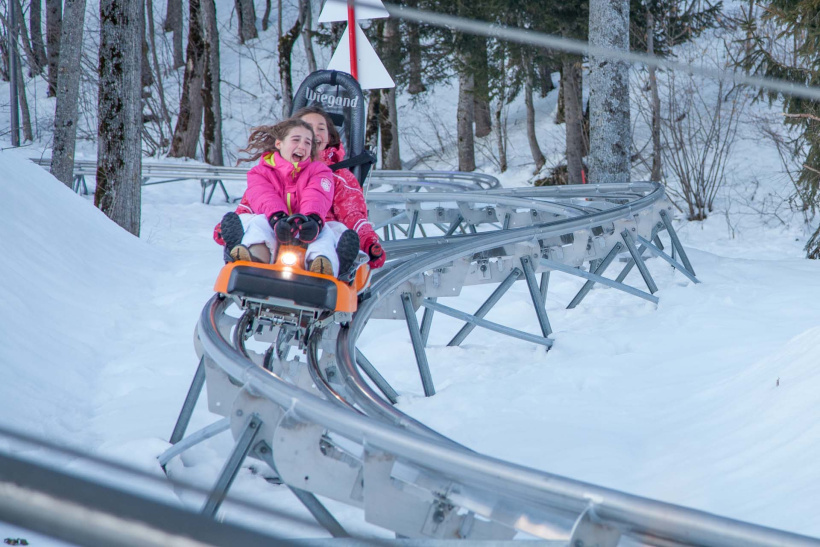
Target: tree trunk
x,y
266,15
286,44
559,109
391,55
212,103
68,91
173,23
35,14
189,120
481,95
119,113
535,150
655,176
371,138
25,116
574,119
307,34
415,84
246,13
610,131
54,18
545,75
464,124
34,67
164,114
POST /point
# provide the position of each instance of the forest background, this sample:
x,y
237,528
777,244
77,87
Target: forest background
x,y
126,80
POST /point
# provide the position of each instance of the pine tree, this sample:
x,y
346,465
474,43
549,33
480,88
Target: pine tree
x,y
799,22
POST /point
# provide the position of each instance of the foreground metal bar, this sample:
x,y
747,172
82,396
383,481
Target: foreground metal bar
x,y
80,511
672,262
377,378
488,304
320,513
194,439
598,271
478,322
598,279
535,295
636,256
418,346
231,468
426,323
676,244
189,404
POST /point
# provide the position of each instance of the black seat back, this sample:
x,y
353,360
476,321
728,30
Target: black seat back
x,y
340,95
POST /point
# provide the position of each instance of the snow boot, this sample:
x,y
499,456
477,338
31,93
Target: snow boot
x,y
321,265
232,234
348,250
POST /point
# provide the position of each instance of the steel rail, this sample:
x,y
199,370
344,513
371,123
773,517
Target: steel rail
x,y
633,515
384,428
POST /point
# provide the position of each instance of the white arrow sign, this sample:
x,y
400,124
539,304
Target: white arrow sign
x,y
336,10
372,74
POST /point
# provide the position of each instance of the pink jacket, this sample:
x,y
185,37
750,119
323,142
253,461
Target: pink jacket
x,y
277,185
349,206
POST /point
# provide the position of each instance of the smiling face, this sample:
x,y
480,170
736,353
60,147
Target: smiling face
x,y
319,125
297,145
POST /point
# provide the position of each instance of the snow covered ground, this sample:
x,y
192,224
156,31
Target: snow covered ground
x,y
706,400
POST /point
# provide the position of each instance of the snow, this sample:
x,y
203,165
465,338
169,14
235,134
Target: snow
x,y
707,399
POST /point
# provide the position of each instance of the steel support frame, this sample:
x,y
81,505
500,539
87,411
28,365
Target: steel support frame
x,y
602,266
488,304
672,262
377,378
489,325
418,345
676,244
637,257
232,465
194,439
536,296
558,266
191,398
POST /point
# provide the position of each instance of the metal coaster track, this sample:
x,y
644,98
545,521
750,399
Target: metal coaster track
x,y
328,426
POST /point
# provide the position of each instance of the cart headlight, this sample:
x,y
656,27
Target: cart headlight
x,y
289,259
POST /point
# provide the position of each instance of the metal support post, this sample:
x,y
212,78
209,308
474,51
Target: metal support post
x,y
598,279
189,404
454,226
411,231
535,294
13,67
602,266
231,468
672,262
544,287
264,452
489,325
426,323
486,306
418,346
507,219
320,513
194,439
636,256
377,378
673,235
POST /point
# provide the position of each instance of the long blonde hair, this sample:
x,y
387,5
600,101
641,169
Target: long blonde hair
x,y
263,139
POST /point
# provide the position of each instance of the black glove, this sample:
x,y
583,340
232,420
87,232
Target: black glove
x,y
284,231
309,229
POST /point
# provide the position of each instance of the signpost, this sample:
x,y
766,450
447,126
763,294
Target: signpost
x,y
354,53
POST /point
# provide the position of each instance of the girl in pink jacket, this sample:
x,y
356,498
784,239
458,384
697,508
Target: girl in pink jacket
x,y
287,181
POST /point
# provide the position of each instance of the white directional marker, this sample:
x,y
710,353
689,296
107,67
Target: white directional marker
x,y
336,10
371,71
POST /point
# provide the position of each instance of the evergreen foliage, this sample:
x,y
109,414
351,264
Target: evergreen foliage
x,y
798,23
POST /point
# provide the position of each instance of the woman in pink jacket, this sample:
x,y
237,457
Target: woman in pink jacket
x,y
287,181
349,206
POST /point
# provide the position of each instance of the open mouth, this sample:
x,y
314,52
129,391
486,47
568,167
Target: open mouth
x,y
298,156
